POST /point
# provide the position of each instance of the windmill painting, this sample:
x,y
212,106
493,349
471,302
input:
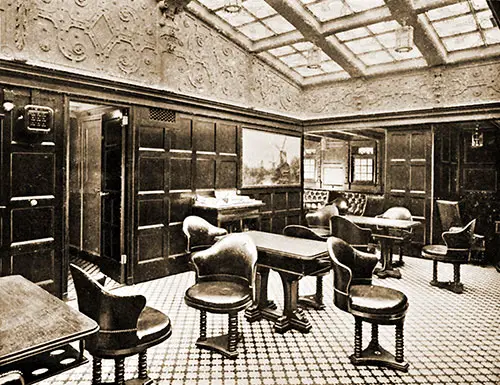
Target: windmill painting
x,y
270,159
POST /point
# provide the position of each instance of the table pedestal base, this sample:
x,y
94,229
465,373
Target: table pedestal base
x,y
451,286
311,301
45,365
375,355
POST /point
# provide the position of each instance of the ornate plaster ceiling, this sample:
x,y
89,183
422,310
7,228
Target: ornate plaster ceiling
x,y
357,38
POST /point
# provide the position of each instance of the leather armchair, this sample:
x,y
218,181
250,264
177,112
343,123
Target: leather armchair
x,y
374,205
451,220
127,326
457,250
200,234
402,238
354,293
314,300
358,237
320,219
225,276
11,378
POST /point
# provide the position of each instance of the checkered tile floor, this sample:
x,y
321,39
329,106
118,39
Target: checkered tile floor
x,y
449,338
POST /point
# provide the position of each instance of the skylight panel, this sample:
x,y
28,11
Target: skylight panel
x,y
281,51
455,26
294,60
384,26
259,8
363,5
353,34
484,18
448,11
479,4
492,36
255,31
413,54
236,19
303,46
329,10
212,4
367,44
278,24
331,66
378,57
308,72
464,41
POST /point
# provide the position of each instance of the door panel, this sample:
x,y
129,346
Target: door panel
x,y
112,163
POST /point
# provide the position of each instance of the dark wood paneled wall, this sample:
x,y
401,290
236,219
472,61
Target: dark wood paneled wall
x,y
408,176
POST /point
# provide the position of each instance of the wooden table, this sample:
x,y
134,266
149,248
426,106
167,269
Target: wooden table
x,y
36,329
293,258
386,240
240,213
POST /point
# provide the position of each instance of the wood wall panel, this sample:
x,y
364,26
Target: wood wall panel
x,y
226,138
152,245
152,137
227,174
38,267
151,212
181,134
151,173
480,179
204,135
180,173
177,240
34,174
29,224
180,206
205,174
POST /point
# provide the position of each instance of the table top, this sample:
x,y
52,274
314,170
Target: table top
x,y
291,247
34,321
383,222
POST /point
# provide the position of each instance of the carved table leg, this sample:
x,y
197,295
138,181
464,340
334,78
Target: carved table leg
x,y
262,303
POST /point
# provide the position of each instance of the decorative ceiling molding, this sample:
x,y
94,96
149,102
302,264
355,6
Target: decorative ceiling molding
x,y
170,8
295,14
424,36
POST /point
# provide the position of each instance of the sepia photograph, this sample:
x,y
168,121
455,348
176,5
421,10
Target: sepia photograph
x,y
249,192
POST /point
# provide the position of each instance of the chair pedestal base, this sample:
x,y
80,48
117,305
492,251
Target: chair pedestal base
x,y
133,381
375,355
455,287
310,301
218,344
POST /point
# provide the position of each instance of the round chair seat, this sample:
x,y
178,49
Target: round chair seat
x,y
377,300
440,253
153,327
218,296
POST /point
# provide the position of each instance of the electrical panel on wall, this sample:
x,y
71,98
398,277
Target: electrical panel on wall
x,y
34,123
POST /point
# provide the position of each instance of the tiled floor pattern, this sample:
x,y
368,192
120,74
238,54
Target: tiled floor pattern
x,y
449,338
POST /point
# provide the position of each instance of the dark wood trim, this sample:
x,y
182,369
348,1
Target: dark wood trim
x,y
20,74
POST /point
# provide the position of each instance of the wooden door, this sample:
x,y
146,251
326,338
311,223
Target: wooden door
x,y
112,196
408,182
32,179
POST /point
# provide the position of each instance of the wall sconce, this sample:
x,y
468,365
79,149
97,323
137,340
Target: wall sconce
x,y
8,106
404,38
232,6
314,58
477,138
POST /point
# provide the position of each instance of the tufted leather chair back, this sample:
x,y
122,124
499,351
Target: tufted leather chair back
x,y
231,258
355,202
199,233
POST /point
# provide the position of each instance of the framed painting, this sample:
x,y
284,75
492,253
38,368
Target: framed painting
x,y
269,159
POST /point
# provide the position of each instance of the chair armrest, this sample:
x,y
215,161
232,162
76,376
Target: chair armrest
x,y
477,236
120,312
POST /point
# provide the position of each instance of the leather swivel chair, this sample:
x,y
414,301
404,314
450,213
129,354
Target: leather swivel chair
x,y
402,238
451,220
225,276
127,327
313,300
319,220
342,205
374,205
378,305
358,237
11,378
200,234
457,249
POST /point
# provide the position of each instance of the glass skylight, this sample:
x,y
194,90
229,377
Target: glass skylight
x,y
255,31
